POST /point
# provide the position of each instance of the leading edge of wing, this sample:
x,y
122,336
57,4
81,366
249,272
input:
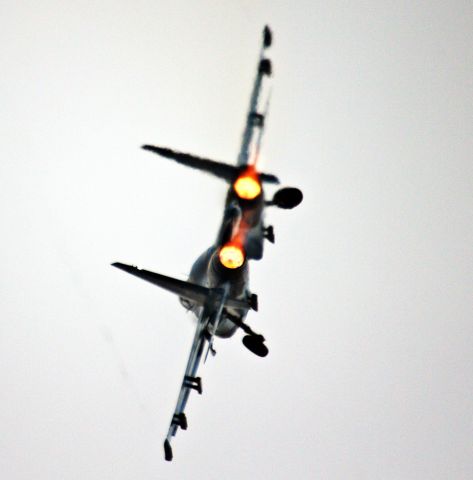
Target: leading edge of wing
x,y
188,290
221,170
191,291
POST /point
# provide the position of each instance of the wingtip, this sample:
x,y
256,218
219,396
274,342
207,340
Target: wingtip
x,y
167,451
153,149
267,36
163,151
123,266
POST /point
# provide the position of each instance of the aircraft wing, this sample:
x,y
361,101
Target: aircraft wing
x,y
191,291
189,382
212,301
206,326
226,172
255,120
219,169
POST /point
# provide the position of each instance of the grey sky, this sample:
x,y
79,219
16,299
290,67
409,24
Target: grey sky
x,y
365,300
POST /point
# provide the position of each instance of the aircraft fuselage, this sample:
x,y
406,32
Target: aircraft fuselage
x,y
209,272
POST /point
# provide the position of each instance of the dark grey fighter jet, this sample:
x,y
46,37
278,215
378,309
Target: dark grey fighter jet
x,y
245,191
217,290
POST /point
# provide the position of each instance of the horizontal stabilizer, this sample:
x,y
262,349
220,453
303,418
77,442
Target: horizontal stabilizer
x,y
191,291
221,170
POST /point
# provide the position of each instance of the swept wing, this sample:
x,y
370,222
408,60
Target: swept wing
x,y
190,291
212,301
226,172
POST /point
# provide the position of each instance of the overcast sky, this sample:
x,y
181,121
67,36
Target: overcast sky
x,y
365,300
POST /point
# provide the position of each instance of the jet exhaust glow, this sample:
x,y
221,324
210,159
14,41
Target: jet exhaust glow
x,y
247,185
231,255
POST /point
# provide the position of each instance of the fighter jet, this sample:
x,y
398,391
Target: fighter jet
x,y
246,181
217,290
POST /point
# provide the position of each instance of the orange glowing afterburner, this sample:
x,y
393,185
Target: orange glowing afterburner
x,y
247,185
231,256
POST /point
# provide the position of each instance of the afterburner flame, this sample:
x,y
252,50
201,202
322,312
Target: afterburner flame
x,y
231,256
247,185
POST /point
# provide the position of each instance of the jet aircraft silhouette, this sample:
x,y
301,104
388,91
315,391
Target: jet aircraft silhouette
x,y
217,290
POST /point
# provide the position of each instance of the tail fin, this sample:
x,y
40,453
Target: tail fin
x,y
221,170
